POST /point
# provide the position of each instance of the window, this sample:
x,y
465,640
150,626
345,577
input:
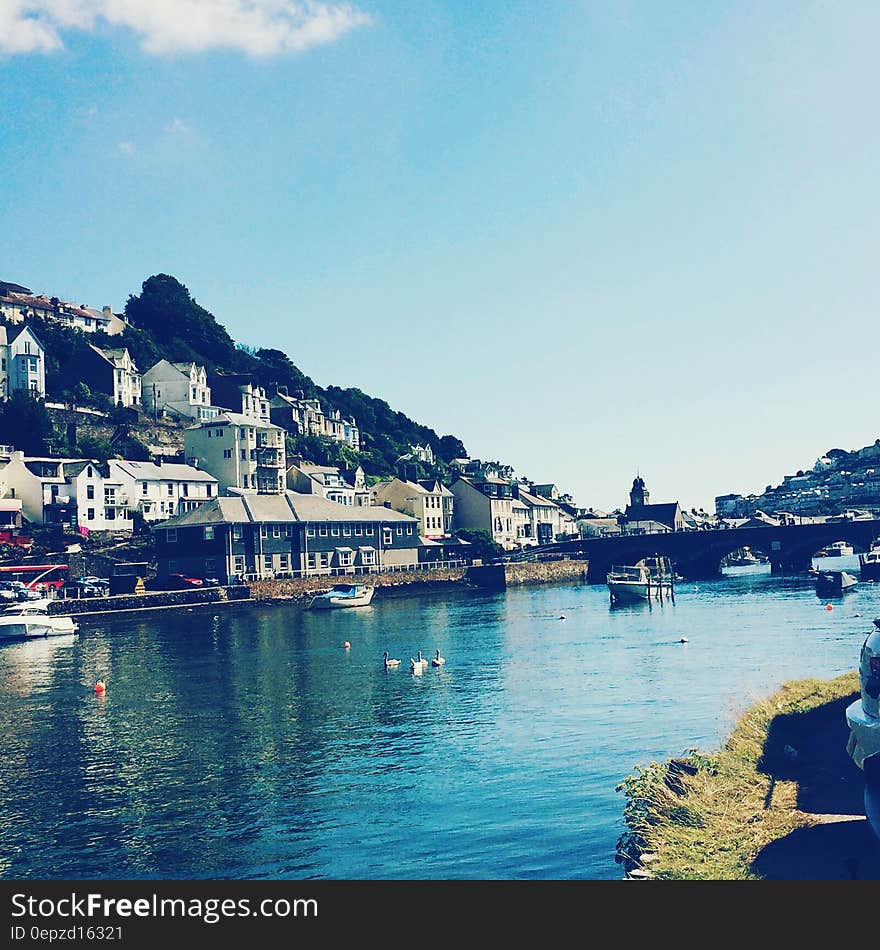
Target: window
x,y
210,489
399,530
288,531
238,564
334,531
218,433
322,531
324,559
170,488
310,532
264,530
244,455
236,532
276,530
346,529
283,562
267,563
143,488
209,532
227,453
409,529
345,558
110,514
358,530
368,531
90,514
171,535
387,536
185,488
90,491
311,563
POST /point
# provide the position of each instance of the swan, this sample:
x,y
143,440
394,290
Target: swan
x,y
415,667
421,661
438,660
390,664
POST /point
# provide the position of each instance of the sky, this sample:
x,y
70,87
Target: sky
x,y
590,239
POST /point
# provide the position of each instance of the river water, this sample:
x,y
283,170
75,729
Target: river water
x,y
250,744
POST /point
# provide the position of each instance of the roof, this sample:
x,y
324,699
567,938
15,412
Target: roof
x,y
167,471
536,500
235,419
664,513
288,506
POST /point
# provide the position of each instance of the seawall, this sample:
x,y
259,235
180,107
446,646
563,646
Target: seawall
x,y
502,576
302,588
150,600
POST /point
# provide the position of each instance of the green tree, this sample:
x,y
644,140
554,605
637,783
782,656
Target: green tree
x,y
26,424
178,325
484,545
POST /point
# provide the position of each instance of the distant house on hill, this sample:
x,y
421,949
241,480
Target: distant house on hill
x,y
114,373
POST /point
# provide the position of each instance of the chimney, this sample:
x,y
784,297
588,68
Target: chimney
x,y
107,311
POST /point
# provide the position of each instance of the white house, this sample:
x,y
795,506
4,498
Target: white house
x,y
163,490
180,389
18,303
113,372
486,504
240,451
330,482
428,500
22,364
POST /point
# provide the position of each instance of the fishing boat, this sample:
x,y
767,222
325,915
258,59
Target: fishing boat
x,y
834,583
343,595
741,558
31,619
869,564
839,549
651,578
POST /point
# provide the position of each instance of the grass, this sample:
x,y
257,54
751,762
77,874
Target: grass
x,y
707,816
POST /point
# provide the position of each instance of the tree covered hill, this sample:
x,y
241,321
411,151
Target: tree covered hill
x,y
167,322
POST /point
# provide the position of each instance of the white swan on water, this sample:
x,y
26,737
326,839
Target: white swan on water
x,y
438,660
390,664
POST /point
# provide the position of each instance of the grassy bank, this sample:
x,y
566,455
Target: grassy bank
x,y
707,816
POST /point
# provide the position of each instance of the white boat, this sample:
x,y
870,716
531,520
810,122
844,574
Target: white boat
x,y
742,558
649,579
869,563
839,549
31,619
343,595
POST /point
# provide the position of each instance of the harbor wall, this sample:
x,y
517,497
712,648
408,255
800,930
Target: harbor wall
x,y
502,576
300,588
173,598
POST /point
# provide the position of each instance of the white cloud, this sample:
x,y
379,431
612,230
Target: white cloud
x,y
255,27
125,148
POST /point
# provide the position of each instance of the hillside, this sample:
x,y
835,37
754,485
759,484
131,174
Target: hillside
x,y
167,322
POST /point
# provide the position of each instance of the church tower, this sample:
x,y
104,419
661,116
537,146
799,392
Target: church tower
x,y
639,495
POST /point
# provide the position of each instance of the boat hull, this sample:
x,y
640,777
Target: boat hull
x,y
869,569
333,601
31,628
634,591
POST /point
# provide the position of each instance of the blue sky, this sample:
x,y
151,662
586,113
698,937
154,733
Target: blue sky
x,y
588,238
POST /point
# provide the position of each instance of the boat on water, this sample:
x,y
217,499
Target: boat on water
x,y
742,557
343,595
651,578
869,564
31,619
839,549
834,583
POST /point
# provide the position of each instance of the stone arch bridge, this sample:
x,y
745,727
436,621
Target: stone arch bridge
x,y
698,554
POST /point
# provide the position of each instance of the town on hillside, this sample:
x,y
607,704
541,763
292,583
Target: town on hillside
x,y
222,463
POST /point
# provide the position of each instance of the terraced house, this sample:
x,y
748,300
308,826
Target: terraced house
x,y
258,536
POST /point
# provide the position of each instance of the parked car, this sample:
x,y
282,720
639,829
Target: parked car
x,y
8,591
181,582
863,719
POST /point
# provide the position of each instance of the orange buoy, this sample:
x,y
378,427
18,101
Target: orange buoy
x,y
829,606
347,645
100,687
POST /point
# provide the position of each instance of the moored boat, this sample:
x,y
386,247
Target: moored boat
x,y
646,580
834,583
31,619
869,564
343,595
839,549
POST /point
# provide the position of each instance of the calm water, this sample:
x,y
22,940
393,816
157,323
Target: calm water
x,y
250,744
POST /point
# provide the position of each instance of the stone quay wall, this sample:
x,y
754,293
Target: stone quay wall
x,y
172,598
301,588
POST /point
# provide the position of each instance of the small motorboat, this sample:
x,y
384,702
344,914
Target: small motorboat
x,y
343,595
869,564
31,619
834,583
